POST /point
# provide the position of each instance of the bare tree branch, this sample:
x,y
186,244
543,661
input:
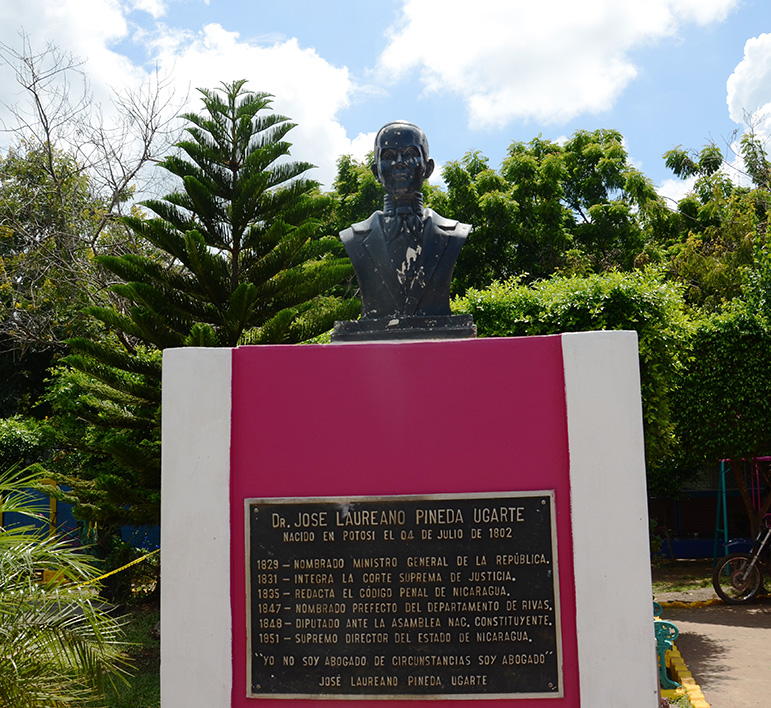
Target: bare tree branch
x,y
69,173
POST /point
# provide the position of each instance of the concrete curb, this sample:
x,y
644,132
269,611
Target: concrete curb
x,y
677,665
685,678
689,604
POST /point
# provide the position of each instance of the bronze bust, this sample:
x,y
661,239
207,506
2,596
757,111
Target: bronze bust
x,y
404,256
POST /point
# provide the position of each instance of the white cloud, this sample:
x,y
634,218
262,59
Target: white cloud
x,y
551,60
673,190
155,8
749,87
307,89
749,99
87,36
361,145
703,12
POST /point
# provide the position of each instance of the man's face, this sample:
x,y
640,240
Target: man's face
x,y
401,167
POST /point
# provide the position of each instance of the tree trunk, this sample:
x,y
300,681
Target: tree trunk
x,y
741,483
754,515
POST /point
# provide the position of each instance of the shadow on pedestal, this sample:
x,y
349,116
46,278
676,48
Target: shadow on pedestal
x,y
400,327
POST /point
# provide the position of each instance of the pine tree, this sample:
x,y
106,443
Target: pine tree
x,y
240,236
236,260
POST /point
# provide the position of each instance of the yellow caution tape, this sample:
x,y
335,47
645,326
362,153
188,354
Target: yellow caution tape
x,y
118,570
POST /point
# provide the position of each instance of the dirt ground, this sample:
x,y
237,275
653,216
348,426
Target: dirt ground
x,y
726,647
683,581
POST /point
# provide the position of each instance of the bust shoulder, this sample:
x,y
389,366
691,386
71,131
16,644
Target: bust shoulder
x,y
360,229
452,227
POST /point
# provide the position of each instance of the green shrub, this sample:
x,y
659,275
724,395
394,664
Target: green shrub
x,y
722,400
21,441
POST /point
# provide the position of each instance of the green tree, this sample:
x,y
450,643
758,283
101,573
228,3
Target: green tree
x,y
49,232
573,208
240,262
613,203
480,196
355,195
45,209
57,648
721,395
63,181
639,301
107,434
723,223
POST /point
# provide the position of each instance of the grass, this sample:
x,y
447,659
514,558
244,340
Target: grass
x,y
681,575
143,687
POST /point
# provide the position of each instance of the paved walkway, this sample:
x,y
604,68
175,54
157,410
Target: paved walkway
x,y
727,649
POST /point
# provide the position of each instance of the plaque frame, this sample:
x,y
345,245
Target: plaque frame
x,y
353,499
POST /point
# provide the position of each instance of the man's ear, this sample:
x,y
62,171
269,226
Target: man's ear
x,y
373,167
429,167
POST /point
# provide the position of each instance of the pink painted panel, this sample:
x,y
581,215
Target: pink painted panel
x,y
482,415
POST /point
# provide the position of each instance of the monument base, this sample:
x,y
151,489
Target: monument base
x,y
362,509
414,327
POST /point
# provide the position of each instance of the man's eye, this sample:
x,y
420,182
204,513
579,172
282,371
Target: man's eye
x,y
411,152
388,154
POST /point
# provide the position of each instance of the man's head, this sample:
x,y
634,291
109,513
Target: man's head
x,y
401,158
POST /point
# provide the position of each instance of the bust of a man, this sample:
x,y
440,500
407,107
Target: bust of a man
x,y
404,255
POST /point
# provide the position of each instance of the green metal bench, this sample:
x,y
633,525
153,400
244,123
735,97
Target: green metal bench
x,y
666,633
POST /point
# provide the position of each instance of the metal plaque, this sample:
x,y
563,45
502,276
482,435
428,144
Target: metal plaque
x,y
440,596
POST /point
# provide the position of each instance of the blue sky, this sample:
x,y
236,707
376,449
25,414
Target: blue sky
x,y
475,75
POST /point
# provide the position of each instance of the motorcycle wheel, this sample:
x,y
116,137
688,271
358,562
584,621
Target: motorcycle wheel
x,y
732,584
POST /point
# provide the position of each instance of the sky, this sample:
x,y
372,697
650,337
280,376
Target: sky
x,y
474,75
